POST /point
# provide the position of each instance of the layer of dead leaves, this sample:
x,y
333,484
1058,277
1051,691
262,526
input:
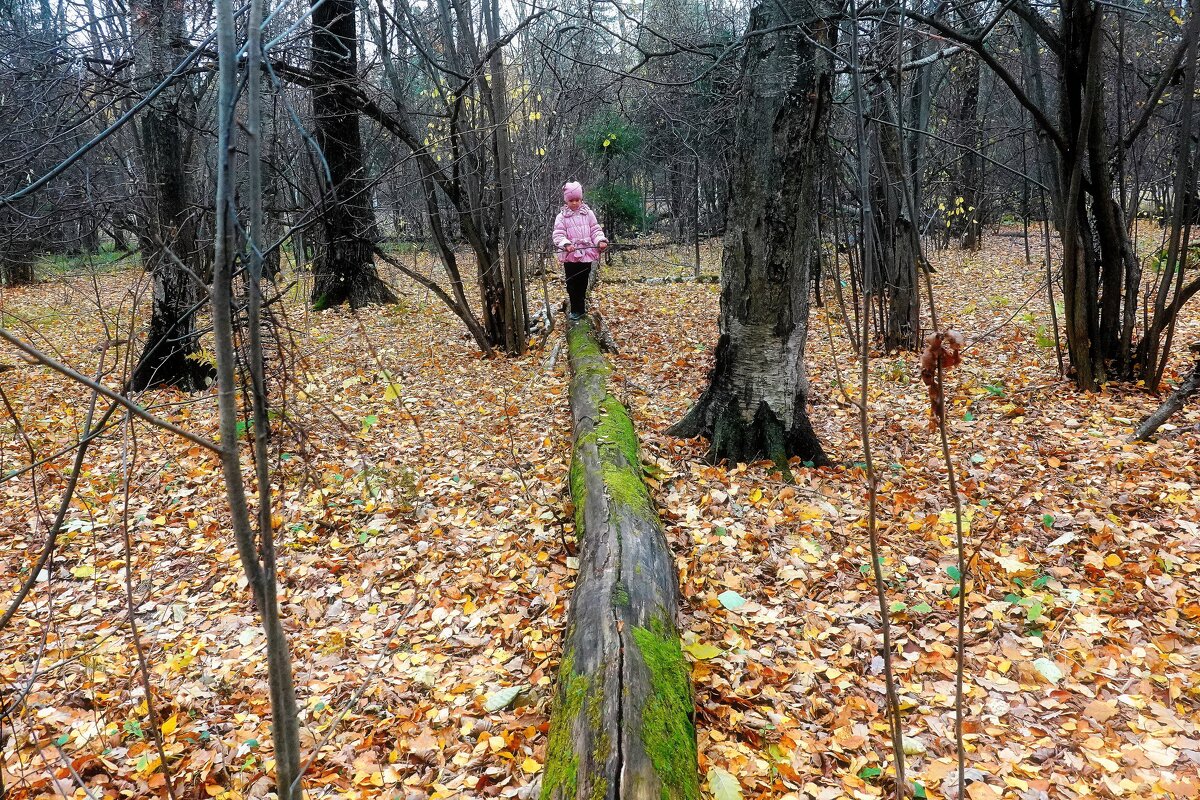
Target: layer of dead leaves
x,y
421,512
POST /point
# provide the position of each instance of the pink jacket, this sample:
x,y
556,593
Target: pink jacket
x,y
581,229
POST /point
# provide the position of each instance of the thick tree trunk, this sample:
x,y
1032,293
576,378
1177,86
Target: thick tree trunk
x,y
344,267
169,235
754,405
1078,93
514,317
623,721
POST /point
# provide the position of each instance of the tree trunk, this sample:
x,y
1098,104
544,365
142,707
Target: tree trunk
x,y
969,176
514,317
344,267
754,405
169,235
1081,270
896,234
623,724
16,264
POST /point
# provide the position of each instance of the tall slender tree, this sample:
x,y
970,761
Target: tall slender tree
x,y
754,405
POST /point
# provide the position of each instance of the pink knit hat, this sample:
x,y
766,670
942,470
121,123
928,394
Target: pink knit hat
x,y
572,191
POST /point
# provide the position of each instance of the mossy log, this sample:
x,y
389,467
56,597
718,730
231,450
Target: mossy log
x,y
623,719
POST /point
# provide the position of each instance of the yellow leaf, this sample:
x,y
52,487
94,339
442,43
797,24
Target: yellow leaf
x,y
806,511
702,651
391,393
83,571
170,725
469,607
1112,560
756,495
530,766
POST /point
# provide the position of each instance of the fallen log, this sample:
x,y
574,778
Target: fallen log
x,y
1189,386
662,280
623,723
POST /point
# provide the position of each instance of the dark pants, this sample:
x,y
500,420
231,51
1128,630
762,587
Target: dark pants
x,y
577,283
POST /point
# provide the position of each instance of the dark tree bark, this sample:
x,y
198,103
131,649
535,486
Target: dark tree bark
x,y
895,232
168,237
344,268
1078,100
754,405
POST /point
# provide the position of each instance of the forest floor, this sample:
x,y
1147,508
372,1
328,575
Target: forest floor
x,y
421,511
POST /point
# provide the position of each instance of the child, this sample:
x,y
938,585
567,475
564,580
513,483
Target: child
x,y
579,240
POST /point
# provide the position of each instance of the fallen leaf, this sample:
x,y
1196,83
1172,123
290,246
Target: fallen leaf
x,y
702,651
731,600
722,785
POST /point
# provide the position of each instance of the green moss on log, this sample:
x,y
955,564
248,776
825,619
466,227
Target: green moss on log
x,y
613,434
616,428
627,489
562,763
619,462
603,746
584,351
668,733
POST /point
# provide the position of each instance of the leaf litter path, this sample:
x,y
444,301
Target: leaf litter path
x,y
421,509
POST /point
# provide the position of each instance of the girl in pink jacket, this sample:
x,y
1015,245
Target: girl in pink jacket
x,y
579,240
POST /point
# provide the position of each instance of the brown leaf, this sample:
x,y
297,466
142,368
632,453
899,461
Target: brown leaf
x,y
1100,710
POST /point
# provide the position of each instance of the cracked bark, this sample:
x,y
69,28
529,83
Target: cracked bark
x,y
755,403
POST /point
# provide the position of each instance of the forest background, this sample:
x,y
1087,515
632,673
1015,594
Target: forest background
x,y
286,442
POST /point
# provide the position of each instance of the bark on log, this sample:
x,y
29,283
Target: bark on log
x,y
623,719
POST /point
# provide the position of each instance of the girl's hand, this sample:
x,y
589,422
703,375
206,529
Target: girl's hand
x,y
603,246
568,247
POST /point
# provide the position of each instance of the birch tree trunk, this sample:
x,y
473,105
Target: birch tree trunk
x,y
754,405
